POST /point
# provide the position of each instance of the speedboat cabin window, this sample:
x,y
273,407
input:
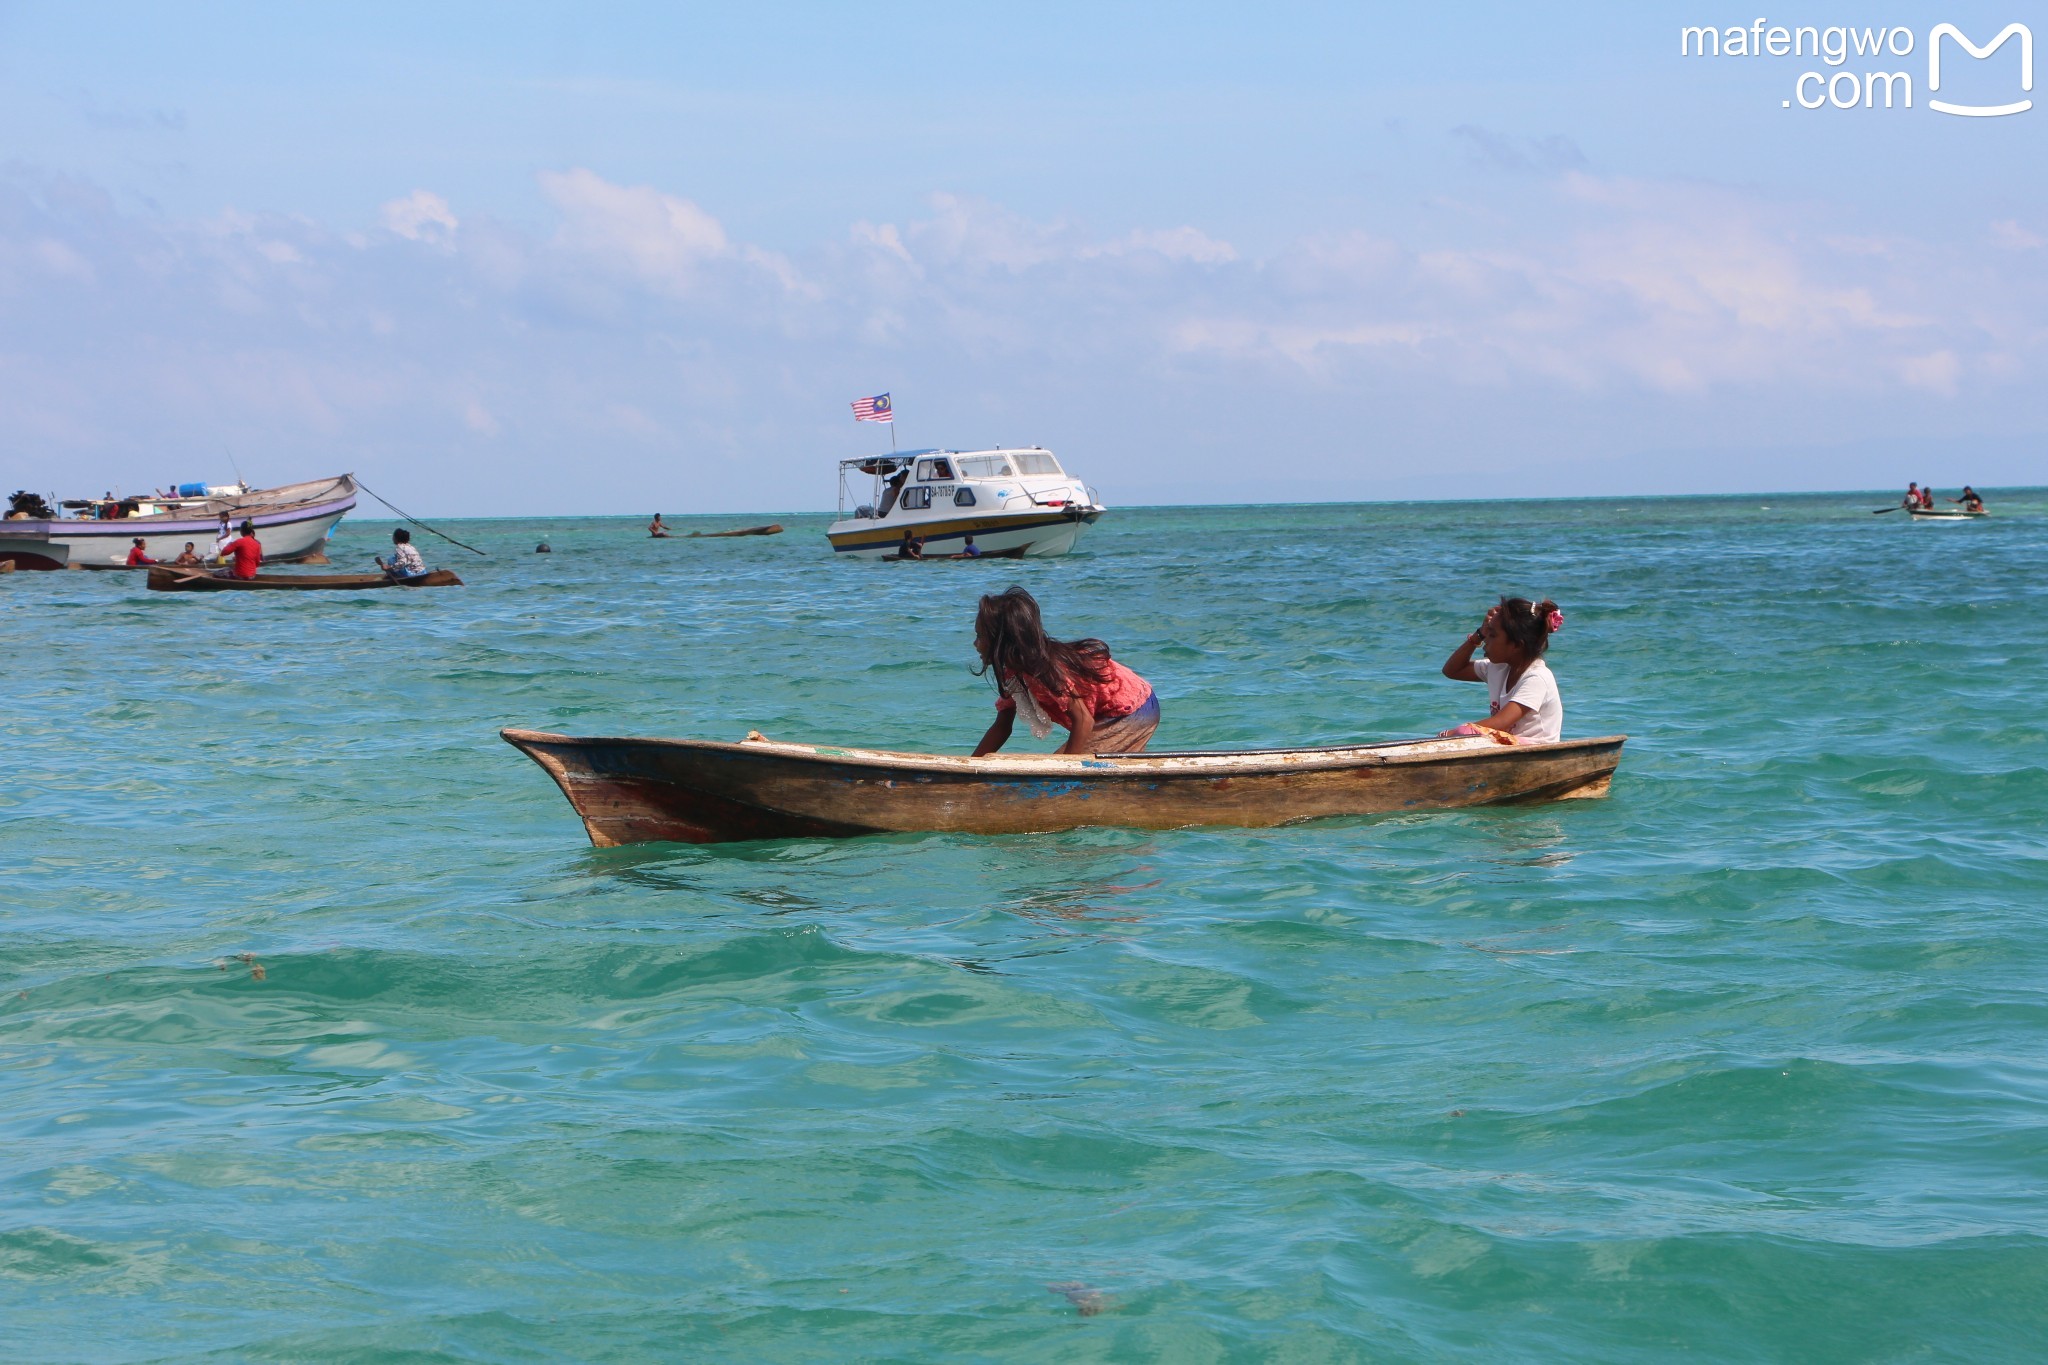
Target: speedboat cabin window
x,y
916,498
985,467
963,496
1036,462
928,470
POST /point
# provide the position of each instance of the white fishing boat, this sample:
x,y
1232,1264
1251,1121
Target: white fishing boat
x,y
1010,501
1942,514
292,522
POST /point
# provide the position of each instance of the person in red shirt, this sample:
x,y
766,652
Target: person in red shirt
x,y
138,554
244,552
1108,708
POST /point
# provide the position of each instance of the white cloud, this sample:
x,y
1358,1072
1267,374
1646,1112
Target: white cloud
x,y
641,322
421,216
1175,244
2007,232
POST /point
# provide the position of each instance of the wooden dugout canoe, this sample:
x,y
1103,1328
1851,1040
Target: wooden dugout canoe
x,y
163,578
774,530
633,791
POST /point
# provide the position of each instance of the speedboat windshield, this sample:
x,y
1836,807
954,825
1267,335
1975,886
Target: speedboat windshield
x,y
1009,464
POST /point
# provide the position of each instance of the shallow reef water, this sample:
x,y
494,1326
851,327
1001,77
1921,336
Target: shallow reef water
x,y
326,1035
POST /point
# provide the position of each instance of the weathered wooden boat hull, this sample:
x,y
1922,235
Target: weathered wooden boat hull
x,y
1918,515
165,579
22,548
774,530
292,521
631,791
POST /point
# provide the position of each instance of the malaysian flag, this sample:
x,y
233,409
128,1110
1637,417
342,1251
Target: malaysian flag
x,y
874,409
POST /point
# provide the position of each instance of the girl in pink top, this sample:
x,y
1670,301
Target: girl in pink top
x,y
1108,708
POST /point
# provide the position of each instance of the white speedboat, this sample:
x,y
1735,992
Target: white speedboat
x,y
292,522
1014,501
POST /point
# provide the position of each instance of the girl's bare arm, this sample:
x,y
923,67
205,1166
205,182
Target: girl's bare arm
x,y
1459,666
998,734
1082,740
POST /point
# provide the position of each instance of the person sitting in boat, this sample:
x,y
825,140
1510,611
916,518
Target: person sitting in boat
x,y
1524,705
911,547
245,551
222,538
1912,498
1108,708
892,488
656,529
967,550
1969,500
1927,497
138,554
187,559
405,560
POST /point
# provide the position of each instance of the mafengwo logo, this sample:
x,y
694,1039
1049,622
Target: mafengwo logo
x,y
1957,67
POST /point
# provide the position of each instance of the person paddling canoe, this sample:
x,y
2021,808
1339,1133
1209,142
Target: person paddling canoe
x,y
405,559
1522,695
1108,708
245,553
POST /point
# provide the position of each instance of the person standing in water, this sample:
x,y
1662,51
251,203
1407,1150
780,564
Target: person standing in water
x,y
1107,708
1523,705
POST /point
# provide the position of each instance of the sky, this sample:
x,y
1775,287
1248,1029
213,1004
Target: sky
x,y
505,259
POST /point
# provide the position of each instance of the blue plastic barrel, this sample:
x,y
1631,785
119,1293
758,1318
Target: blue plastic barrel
x,y
191,490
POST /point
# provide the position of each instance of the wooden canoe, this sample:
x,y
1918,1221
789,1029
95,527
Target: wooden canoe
x,y
163,578
1941,514
774,530
632,791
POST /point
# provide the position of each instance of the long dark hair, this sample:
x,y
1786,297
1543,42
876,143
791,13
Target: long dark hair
x,y
1018,644
1527,624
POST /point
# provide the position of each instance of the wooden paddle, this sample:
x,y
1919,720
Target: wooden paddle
x,y
1880,511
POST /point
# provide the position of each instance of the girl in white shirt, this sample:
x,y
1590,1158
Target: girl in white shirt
x,y
1524,707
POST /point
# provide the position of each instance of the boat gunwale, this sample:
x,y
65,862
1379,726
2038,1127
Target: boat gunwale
x,y
1165,763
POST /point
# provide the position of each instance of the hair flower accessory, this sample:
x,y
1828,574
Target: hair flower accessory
x,y
1555,621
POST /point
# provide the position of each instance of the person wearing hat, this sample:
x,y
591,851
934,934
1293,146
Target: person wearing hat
x,y
138,554
246,552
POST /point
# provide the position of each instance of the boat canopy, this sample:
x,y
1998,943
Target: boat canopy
x,y
999,463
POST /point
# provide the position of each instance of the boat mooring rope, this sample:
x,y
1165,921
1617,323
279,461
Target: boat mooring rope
x,y
417,522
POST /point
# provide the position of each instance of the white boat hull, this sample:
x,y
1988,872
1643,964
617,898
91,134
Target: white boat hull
x,y
1038,533
291,522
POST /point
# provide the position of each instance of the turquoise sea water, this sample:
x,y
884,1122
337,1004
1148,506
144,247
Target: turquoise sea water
x,y
325,1035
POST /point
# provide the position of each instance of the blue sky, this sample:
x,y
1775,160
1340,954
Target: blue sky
x,y
610,257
